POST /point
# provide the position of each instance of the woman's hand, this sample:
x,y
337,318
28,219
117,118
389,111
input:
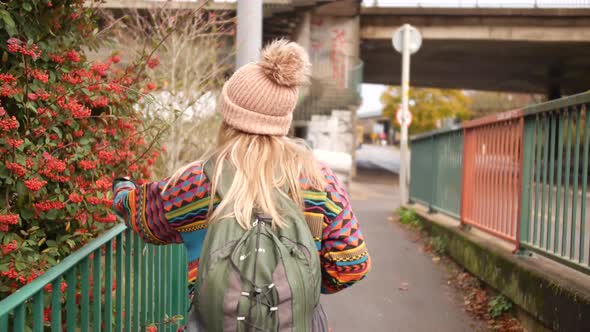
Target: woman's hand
x,y
121,179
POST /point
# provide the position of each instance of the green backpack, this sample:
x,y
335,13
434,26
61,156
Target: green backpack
x,y
261,279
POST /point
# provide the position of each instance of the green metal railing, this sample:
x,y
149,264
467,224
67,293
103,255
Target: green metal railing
x,y
536,193
555,219
448,164
436,171
115,283
421,171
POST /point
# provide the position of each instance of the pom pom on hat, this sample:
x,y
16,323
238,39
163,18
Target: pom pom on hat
x,y
285,63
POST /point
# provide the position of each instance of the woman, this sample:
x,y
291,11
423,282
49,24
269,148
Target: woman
x,y
252,211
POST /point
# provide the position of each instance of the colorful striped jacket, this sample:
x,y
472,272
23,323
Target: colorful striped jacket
x,y
179,215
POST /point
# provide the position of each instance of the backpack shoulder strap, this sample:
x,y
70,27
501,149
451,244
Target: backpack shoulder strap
x,y
226,178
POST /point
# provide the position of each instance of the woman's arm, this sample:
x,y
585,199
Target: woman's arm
x,y
343,252
142,208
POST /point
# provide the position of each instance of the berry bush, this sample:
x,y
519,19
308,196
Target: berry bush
x,y
68,126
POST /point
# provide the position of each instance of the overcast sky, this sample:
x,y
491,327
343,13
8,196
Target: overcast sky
x,y
371,98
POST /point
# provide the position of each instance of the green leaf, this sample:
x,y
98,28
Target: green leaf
x,y
5,289
58,132
51,243
7,19
4,173
52,214
21,159
71,208
26,214
21,189
50,250
23,200
20,265
27,6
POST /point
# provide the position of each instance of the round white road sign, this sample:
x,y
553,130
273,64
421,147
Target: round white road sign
x,y
415,39
401,120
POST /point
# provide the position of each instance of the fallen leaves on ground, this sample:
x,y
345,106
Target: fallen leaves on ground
x,y
477,295
404,286
476,300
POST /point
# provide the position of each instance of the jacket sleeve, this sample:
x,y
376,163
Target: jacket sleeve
x,y
344,256
142,208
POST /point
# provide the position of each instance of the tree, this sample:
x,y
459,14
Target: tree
x,y
195,52
490,102
429,107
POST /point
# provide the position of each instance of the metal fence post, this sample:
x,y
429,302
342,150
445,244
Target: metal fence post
x,y
434,174
526,164
465,167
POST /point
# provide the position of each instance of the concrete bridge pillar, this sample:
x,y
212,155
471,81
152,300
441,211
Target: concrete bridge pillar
x,y
303,29
332,39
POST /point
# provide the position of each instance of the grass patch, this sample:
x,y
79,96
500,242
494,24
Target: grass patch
x,y
409,217
439,245
499,305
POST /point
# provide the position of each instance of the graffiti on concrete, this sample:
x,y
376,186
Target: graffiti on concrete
x,y
338,43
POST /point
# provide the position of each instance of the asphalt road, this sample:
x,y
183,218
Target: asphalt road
x,y
377,303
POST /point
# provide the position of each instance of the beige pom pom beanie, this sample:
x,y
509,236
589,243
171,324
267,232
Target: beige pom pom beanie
x,y
260,97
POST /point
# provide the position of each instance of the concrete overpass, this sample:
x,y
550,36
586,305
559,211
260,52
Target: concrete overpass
x,y
536,50
526,50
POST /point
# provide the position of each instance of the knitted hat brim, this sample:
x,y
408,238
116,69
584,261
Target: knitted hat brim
x,y
252,122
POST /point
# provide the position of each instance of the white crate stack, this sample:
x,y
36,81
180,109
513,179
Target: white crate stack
x,y
332,139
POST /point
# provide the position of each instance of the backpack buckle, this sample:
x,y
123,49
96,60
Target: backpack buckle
x,y
262,220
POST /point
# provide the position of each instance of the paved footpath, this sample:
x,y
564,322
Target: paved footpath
x,y
377,303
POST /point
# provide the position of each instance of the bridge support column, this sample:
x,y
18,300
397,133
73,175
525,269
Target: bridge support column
x,y
334,49
303,31
249,32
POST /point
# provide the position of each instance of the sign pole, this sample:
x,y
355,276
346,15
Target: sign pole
x,y
406,40
404,154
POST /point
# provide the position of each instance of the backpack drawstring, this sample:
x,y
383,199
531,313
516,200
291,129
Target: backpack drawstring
x,y
258,294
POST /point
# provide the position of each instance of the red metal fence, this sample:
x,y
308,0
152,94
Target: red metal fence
x,y
491,174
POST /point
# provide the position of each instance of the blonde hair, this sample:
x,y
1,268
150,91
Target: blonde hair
x,y
264,165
